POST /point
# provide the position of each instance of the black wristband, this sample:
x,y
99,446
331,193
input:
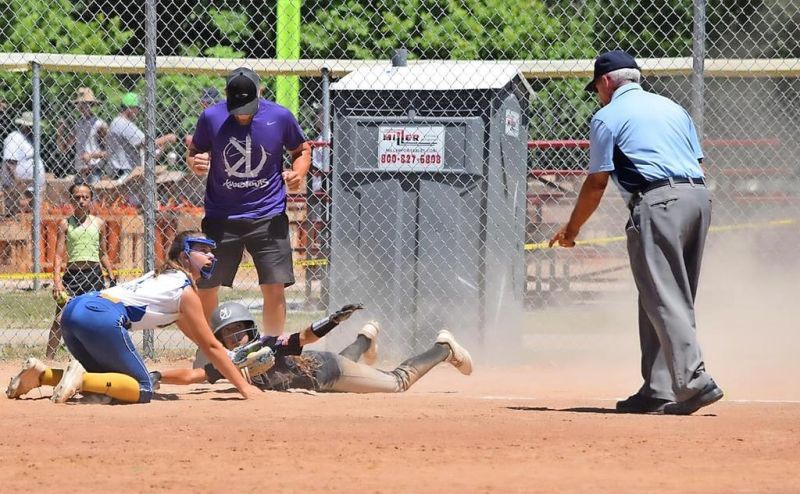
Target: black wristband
x,y
292,346
323,326
212,374
284,346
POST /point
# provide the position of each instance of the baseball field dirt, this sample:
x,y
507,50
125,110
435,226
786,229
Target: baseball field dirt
x,y
539,419
501,430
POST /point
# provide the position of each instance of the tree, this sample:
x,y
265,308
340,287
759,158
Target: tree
x,y
40,26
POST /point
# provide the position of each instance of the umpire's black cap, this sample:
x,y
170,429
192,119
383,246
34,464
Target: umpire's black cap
x,y
242,92
609,62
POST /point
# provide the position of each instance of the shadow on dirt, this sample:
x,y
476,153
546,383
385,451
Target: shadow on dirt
x,y
595,410
573,410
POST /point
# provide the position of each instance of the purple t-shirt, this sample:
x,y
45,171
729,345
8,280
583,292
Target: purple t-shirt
x,y
246,161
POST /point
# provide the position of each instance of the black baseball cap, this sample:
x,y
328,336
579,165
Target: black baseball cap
x,y
242,92
609,62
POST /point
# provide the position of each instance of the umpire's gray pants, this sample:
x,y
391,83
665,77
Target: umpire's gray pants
x,y
666,235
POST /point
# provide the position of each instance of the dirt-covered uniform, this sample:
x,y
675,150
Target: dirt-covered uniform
x,y
328,371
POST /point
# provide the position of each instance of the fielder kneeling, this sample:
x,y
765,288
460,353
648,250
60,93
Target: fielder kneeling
x,y
97,325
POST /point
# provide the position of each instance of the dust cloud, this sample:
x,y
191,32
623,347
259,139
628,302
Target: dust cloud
x,y
748,313
747,318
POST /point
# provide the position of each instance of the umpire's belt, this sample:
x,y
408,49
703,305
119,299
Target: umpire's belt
x,y
637,194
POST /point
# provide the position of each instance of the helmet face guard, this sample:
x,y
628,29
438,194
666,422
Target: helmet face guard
x,y
188,242
229,313
250,330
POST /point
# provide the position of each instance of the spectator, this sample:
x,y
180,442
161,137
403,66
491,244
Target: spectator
x,y
208,96
5,119
87,136
16,176
126,139
82,248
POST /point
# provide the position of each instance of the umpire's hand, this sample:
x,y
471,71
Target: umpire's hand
x,y
565,237
200,163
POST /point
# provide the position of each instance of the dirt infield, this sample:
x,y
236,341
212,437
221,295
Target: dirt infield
x,y
448,434
541,423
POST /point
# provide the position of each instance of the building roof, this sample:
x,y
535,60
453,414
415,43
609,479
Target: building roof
x,y
429,76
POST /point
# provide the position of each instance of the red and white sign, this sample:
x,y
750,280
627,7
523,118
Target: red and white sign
x,y
512,123
415,148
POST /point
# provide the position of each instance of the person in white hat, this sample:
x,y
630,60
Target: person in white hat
x,y
17,174
87,136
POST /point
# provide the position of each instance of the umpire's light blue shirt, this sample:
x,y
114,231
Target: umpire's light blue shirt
x,y
642,137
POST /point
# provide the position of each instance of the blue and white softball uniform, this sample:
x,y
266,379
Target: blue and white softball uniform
x,y
96,325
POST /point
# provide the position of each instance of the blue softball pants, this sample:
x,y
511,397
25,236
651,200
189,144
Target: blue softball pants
x,y
96,333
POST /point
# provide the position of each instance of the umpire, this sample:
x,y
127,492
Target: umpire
x,y
648,145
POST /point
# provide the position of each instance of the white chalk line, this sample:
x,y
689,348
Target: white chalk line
x,y
533,398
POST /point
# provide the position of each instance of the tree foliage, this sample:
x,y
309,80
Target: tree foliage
x,y
372,29
444,29
54,26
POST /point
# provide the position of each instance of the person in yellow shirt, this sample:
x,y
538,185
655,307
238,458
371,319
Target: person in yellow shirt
x,y
83,238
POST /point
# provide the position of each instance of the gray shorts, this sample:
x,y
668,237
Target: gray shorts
x,y
267,241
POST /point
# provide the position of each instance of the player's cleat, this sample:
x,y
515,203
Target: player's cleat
x,y
371,330
70,383
459,356
27,379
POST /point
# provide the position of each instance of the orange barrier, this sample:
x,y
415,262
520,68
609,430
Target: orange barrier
x,y
125,241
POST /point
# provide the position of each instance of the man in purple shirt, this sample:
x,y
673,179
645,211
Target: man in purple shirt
x,y
240,143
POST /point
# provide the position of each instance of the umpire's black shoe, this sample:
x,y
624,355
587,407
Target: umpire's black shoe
x,y
642,404
708,395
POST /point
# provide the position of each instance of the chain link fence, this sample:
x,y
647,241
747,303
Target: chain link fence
x,y
109,92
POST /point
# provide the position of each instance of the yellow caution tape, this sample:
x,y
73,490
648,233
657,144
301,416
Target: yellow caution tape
x,y
25,276
137,271
535,246
297,262
48,276
713,229
311,262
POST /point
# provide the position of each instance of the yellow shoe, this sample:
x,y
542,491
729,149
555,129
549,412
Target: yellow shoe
x,y
27,379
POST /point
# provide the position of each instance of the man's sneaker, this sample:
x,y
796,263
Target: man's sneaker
x,y
70,383
459,356
638,403
371,330
27,379
711,393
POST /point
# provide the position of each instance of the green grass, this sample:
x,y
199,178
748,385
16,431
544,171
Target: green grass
x,y
22,351
28,310
12,352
